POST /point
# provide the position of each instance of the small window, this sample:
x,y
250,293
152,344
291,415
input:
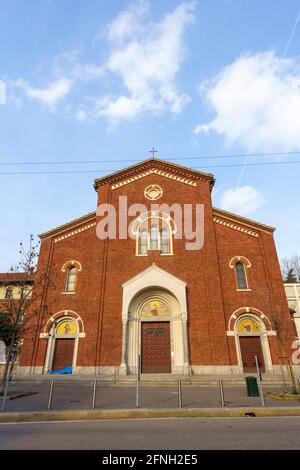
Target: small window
x,y
241,276
9,293
25,293
154,237
71,279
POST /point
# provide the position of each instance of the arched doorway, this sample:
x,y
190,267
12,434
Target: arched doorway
x,y
154,318
155,333
252,341
62,346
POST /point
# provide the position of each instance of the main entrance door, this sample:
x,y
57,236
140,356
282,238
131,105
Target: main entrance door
x,y
156,347
63,354
251,347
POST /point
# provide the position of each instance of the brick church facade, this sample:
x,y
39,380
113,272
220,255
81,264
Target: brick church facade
x,y
110,302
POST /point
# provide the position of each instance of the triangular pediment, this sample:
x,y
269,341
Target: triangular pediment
x,y
151,275
154,166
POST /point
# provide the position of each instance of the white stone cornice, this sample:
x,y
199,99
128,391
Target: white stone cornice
x,y
155,171
234,226
74,232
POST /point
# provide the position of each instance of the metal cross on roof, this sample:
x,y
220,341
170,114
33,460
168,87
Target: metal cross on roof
x,y
153,151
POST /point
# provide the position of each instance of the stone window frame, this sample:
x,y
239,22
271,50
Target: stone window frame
x,y
138,228
246,264
68,265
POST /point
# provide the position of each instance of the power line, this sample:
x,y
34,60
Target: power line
x,y
187,157
111,171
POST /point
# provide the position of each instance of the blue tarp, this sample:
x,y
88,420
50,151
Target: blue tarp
x,y
66,370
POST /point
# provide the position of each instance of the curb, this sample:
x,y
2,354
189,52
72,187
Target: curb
x,y
83,415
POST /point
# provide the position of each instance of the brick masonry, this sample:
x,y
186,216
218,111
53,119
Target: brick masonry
x,y
212,296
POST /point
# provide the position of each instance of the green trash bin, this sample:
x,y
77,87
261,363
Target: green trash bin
x,y
252,388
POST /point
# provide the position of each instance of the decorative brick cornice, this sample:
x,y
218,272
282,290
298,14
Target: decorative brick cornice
x,y
86,219
74,232
156,172
236,219
154,166
237,227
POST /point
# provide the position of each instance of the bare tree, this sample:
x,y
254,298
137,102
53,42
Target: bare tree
x,y
16,308
281,324
290,268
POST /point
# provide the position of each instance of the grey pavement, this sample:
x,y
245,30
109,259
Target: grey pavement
x,y
78,396
197,433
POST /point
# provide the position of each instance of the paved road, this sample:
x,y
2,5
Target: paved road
x,y
209,433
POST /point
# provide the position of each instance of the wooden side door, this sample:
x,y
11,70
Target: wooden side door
x,y
63,353
251,347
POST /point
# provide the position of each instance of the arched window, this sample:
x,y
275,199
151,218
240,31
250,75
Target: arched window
x,y
241,276
165,240
71,279
143,242
154,237
9,293
154,232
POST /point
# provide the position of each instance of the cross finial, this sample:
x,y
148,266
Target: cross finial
x,y
153,151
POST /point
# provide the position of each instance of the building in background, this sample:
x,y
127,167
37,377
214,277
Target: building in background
x,y
15,287
293,297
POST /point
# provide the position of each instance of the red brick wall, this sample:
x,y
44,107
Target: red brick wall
x,y
106,265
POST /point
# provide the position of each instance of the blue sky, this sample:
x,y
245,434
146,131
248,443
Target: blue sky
x,y
101,80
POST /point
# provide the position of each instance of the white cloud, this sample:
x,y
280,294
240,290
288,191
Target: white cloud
x,y
146,57
128,22
257,103
49,96
244,200
143,61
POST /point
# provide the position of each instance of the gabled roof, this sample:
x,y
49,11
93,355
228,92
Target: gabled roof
x,y
243,220
73,223
157,165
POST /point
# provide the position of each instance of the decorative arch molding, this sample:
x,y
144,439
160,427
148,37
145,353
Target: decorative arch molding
x,y
153,214
263,332
154,285
52,334
61,315
250,311
239,259
142,231
71,263
154,277
138,303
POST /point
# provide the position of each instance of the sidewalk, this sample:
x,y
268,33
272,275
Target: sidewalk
x,y
83,415
74,396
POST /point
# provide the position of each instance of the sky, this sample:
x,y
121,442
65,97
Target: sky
x,y
102,82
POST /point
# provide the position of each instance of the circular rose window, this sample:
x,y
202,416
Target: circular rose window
x,y
153,192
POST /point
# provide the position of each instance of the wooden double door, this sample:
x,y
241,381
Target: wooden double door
x,y
155,347
251,347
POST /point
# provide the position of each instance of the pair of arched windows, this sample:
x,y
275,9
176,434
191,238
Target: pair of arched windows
x,y
154,235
